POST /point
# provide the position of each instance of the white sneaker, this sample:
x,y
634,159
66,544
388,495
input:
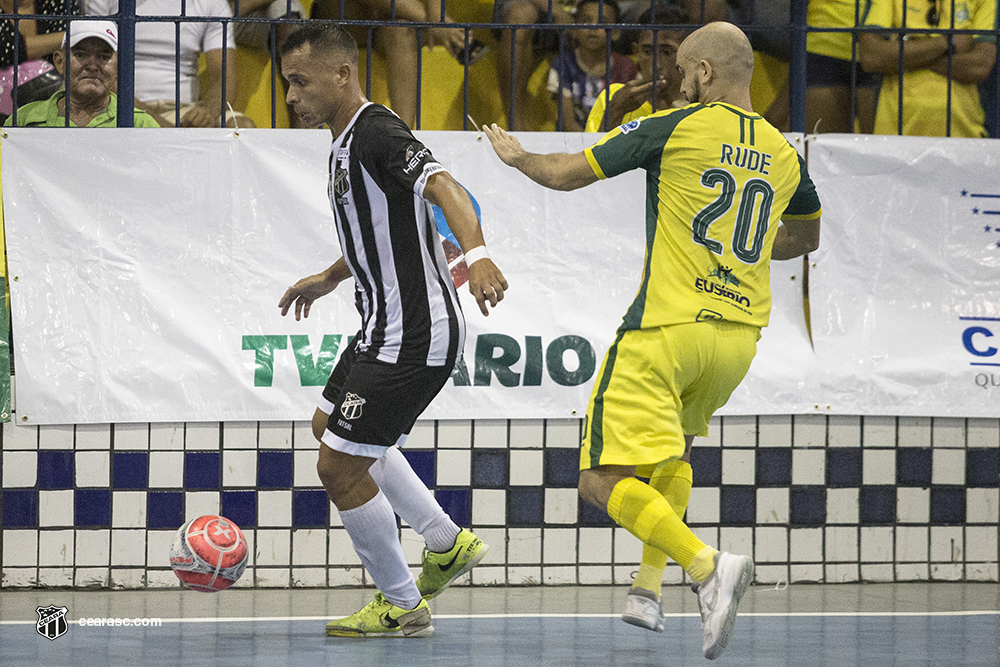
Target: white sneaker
x,y
718,597
642,608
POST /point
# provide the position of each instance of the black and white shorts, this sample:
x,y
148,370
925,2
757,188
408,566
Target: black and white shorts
x,y
373,404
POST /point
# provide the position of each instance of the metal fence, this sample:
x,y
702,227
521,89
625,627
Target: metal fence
x,y
792,31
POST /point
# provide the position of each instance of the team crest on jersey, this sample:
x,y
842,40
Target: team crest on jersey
x,y
351,407
341,183
629,126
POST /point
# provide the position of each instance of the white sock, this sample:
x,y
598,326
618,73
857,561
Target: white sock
x,y
413,502
372,528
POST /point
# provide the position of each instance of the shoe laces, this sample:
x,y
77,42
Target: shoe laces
x,y
378,601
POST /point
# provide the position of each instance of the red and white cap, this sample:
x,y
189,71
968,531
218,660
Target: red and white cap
x,y
80,30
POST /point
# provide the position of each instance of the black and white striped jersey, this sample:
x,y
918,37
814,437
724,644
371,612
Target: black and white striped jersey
x,y
403,289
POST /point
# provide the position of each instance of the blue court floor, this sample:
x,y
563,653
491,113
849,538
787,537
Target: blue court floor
x,y
837,625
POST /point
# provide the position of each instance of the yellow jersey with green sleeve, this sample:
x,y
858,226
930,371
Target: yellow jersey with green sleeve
x,y
718,181
925,93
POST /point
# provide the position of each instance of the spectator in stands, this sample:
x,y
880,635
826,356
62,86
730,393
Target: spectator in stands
x,y
156,49
989,96
32,42
931,63
93,73
397,44
527,47
637,98
579,72
258,35
829,71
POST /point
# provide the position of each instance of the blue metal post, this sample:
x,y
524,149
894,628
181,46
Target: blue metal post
x,y
797,67
126,63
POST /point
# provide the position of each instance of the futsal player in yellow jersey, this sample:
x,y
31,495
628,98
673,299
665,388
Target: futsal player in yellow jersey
x,y
926,65
726,194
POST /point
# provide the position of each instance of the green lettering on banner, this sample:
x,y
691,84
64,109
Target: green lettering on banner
x,y
487,364
313,373
584,353
460,374
533,361
264,346
4,356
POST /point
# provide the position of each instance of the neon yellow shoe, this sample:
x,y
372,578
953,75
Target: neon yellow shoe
x,y
442,569
381,618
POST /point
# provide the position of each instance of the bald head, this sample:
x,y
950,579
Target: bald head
x,y
724,54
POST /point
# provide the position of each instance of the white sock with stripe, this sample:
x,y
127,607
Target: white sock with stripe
x,y
413,502
372,528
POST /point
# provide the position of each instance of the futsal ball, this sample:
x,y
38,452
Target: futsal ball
x,y
209,554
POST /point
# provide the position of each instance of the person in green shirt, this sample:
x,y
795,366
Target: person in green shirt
x,y
93,71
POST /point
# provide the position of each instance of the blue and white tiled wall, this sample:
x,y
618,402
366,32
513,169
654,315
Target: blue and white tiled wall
x,y
813,498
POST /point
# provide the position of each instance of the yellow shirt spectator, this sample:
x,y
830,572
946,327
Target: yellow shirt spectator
x,y
925,86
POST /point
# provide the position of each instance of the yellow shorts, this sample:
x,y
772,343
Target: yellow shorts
x,y
658,385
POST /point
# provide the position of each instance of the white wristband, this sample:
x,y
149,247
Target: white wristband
x,y
476,254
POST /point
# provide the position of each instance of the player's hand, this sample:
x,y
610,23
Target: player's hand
x,y
486,283
303,293
507,148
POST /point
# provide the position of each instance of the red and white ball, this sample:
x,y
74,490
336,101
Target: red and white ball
x,y
209,554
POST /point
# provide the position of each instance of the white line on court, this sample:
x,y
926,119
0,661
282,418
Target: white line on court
x,y
282,619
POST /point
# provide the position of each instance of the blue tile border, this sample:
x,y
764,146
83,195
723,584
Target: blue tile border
x,y
56,468
92,508
19,508
275,469
202,470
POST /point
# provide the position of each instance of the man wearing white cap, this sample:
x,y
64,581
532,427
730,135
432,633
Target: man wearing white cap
x,y
93,72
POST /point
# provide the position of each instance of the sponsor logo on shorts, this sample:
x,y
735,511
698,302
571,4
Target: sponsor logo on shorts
x,y
351,407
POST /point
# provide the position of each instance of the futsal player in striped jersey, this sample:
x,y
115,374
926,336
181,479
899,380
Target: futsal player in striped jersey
x,y
382,182
725,194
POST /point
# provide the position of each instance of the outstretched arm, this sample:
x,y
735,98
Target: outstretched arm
x,y
558,171
486,283
307,290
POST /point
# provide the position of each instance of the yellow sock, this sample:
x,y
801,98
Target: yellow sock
x,y
641,510
673,480
702,564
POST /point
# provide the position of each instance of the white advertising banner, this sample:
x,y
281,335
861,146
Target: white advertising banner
x,y
146,268
905,295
